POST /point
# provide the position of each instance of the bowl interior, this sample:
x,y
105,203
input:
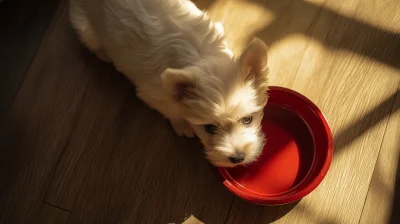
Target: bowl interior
x,y
295,158
287,158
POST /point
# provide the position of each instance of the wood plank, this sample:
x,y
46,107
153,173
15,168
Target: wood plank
x,y
378,206
144,173
52,215
40,121
395,217
355,91
100,108
23,24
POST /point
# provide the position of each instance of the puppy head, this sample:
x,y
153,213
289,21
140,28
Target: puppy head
x,y
223,100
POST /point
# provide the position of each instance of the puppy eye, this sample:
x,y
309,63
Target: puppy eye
x,y
210,128
247,120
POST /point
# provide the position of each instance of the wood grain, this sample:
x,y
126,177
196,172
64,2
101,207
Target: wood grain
x,y
395,216
42,116
100,108
378,206
143,173
52,215
23,24
78,139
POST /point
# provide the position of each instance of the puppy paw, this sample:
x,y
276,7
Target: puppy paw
x,y
182,128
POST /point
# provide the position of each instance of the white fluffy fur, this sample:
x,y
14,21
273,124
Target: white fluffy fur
x,y
181,66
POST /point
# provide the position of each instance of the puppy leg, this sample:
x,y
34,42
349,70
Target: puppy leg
x,y
85,31
182,127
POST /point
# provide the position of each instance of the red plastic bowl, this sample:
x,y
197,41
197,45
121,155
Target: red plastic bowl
x,y
295,158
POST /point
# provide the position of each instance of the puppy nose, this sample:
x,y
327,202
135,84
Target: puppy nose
x,y
237,158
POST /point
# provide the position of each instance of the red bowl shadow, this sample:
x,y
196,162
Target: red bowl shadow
x,y
295,158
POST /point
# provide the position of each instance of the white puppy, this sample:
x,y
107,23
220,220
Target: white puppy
x,y
181,66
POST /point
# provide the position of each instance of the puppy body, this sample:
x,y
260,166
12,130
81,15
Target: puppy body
x,y
181,66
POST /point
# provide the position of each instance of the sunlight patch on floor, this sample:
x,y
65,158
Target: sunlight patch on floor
x,y
192,220
241,20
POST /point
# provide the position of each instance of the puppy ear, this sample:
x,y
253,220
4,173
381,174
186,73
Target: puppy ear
x,y
254,67
179,83
254,59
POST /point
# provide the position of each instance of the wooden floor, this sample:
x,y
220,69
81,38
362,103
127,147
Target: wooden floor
x,y
77,146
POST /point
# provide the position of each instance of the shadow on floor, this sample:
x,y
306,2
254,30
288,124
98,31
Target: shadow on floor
x,y
363,124
395,217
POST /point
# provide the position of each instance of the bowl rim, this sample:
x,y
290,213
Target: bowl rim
x,y
285,199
